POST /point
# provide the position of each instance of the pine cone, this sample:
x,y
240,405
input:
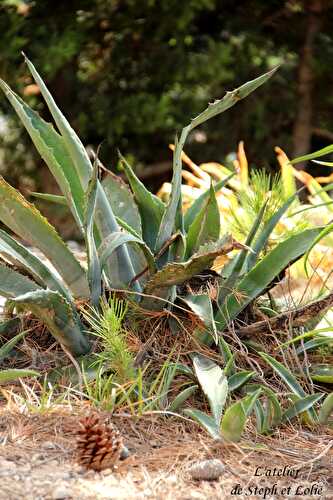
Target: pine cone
x,y
99,444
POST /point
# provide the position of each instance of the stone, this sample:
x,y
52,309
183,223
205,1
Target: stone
x,y
61,492
48,445
206,470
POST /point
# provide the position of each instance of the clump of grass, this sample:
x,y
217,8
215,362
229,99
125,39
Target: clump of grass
x,y
108,325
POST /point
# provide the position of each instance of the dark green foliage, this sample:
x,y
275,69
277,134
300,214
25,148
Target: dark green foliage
x,y
130,73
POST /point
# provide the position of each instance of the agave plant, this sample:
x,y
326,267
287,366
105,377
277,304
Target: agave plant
x,y
134,241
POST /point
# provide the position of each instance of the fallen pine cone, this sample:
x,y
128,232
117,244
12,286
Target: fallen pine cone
x,y
99,445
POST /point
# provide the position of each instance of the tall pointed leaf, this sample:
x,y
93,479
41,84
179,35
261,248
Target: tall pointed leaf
x,y
122,201
288,378
231,98
18,254
58,315
13,284
321,152
15,374
173,210
326,409
52,149
264,273
214,384
234,420
197,205
301,405
206,421
26,221
123,272
206,225
237,266
94,267
150,206
267,230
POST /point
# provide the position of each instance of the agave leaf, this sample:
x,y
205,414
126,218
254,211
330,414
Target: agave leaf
x,y
231,98
234,419
227,355
94,267
321,152
249,401
233,422
128,228
52,149
72,143
240,259
150,206
206,421
14,374
230,366
197,205
326,409
262,239
325,163
288,378
117,239
201,305
274,411
8,346
285,374
9,326
26,221
58,315
214,384
322,373
176,273
238,379
205,226
13,284
324,232
261,423
53,198
301,405
314,344
182,397
18,254
122,202
172,217
264,273
122,271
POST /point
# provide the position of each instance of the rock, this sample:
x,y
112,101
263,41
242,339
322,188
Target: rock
x,y
48,445
61,492
206,470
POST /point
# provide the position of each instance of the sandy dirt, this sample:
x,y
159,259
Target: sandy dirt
x,y
38,461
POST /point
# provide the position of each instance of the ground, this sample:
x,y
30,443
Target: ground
x,y
38,461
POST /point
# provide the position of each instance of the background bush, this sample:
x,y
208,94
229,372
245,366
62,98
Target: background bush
x,y
129,73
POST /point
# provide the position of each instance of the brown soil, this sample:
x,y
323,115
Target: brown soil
x,y
37,460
